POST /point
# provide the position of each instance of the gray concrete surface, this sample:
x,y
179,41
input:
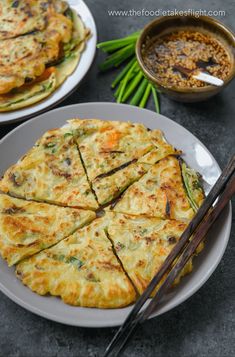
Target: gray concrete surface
x,y
205,324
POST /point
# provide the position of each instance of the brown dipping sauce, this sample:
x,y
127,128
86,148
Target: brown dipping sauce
x,y
174,57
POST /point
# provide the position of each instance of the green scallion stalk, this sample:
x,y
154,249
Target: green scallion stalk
x,y
126,56
116,93
115,46
115,57
122,73
145,96
118,57
126,79
121,83
118,43
138,95
134,83
155,99
130,80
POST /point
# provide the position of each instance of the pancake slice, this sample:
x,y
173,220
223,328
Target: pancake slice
x,y
107,145
82,269
142,245
23,94
161,148
116,154
51,172
72,50
19,17
107,188
30,93
159,193
25,57
28,227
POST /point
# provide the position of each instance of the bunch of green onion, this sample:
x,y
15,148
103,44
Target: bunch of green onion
x,y
130,84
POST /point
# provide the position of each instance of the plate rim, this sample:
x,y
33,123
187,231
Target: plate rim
x,y
35,113
170,305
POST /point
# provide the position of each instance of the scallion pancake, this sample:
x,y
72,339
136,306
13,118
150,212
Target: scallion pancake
x,y
82,269
51,172
159,193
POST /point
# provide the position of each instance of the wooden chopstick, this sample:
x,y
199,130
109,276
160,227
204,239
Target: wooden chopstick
x,y
198,237
216,190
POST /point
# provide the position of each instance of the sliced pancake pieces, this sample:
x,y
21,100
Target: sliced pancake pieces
x,y
73,49
51,172
109,187
142,245
116,154
20,17
82,269
107,145
40,44
28,227
87,164
161,149
25,57
160,193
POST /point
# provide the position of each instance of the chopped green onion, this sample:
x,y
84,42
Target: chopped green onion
x,y
186,172
138,95
67,134
155,99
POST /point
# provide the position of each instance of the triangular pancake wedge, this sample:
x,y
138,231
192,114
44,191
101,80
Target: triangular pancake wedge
x,y
161,148
28,227
142,245
51,171
82,269
115,154
160,193
107,188
107,145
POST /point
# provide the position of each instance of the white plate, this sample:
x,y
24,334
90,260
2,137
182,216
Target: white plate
x,y
72,81
197,156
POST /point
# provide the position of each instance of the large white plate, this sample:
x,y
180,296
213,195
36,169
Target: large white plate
x,y
72,81
23,137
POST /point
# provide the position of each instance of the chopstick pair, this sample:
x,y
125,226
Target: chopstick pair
x,y
179,256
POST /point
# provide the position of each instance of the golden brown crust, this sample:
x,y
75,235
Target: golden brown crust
x,y
136,233
52,172
161,149
25,16
109,187
159,193
52,41
116,154
28,227
106,145
82,269
142,244
27,56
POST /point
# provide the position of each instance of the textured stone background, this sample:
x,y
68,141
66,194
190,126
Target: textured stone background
x,y
205,324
